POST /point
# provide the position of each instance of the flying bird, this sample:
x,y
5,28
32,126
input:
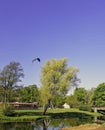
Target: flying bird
x,y
38,59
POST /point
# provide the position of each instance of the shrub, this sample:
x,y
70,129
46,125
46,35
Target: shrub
x,y
8,110
85,108
1,109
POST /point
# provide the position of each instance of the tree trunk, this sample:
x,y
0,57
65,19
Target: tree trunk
x,y
46,106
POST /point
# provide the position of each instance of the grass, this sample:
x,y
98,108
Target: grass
x,y
74,110
26,115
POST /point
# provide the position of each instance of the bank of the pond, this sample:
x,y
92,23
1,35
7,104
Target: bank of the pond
x,y
73,110
86,127
26,115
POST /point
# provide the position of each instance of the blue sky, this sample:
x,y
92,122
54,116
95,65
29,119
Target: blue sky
x,y
54,29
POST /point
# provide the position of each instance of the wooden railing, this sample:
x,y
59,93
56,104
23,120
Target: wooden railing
x,y
95,109
23,105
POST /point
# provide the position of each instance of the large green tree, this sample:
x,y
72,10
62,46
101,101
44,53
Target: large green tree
x,y
29,94
80,94
10,76
57,78
99,95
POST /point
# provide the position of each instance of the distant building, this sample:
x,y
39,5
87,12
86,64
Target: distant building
x,y
66,105
24,105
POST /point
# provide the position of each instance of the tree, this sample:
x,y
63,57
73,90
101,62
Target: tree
x,y
29,94
58,101
98,98
89,97
17,94
72,101
56,79
1,94
80,94
10,76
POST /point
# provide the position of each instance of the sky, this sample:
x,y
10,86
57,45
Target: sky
x,y
54,29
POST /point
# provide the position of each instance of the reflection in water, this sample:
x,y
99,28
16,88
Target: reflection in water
x,y
45,124
16,126
100,119
42,123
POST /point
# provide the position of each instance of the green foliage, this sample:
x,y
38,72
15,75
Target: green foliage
x,y
80,94
30,94
1,94
80,97
85,108
58,101
72,101
8,110
98,98
89,97
57,78
1,108
10,76
17,95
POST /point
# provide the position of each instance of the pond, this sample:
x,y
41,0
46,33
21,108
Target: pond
x,y
46,124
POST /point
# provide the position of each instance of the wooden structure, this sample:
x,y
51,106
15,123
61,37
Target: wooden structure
x,y
95,109
24,105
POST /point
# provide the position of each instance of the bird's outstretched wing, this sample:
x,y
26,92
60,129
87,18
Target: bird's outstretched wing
x,y
38,59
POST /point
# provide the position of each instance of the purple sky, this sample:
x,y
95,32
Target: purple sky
x,y
54,29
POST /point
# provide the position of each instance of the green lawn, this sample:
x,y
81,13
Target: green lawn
x,y
25,115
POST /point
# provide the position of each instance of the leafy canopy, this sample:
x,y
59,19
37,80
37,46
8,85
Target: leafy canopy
x,y
57,78
80,94
99,95
11,75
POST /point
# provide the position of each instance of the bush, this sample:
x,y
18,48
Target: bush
x,y
8,110
1,109
85,108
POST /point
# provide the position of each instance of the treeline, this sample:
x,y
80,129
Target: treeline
x,y
85,99
81,97
56,80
